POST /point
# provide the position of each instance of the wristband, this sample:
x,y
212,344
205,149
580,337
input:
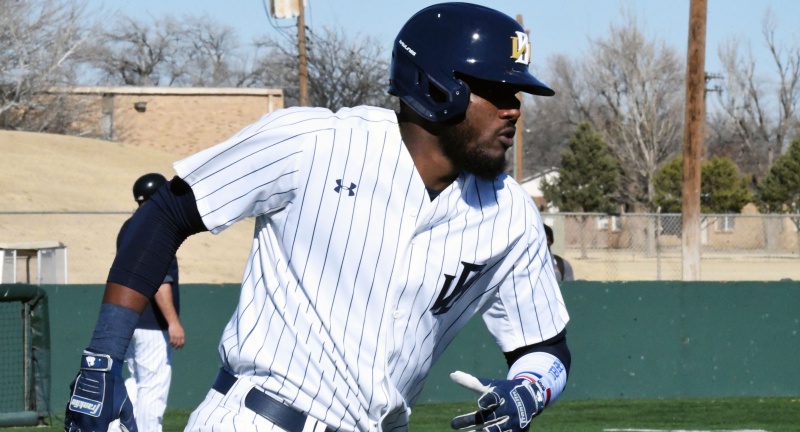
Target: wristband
x,y
100,363
544,368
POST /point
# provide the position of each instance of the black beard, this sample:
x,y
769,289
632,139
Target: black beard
x,y
454,145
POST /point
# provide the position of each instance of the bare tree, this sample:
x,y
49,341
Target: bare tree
x,y
758,117
574,96
133,52
347,72
38,43
188,51
208,54
545,136
342,71
636,85
548,122
274,67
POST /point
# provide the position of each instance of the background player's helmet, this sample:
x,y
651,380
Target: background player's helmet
x,y
147,185
442,42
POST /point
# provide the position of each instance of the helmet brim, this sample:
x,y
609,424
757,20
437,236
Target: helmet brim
x,y
522,81
530,84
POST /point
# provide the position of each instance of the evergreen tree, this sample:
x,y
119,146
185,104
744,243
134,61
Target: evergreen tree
x,y
779,192
588,177
668,183
722,188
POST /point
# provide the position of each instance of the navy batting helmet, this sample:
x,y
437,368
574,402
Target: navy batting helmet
x,y
444,41
147,185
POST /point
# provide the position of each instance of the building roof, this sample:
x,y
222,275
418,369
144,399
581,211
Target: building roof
x,y
532,184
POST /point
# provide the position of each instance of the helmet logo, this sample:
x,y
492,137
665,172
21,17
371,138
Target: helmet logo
x,y
407,48
521,48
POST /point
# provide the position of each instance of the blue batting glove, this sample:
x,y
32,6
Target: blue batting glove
x,y
98,397
504,405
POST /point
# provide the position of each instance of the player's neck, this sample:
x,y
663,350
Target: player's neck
x,y
436,170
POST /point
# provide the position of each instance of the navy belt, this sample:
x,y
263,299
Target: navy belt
x,y
283,416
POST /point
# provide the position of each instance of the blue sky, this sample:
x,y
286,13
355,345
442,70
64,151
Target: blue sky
x,y
556,26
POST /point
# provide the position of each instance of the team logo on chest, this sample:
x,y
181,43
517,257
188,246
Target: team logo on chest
x,y
351,190
447,296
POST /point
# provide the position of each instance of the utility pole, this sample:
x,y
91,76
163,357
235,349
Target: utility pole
x,y
303,59
518,141
693,138
286,9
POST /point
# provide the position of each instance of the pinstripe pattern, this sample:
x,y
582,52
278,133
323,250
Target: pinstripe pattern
x,y
149,359
336,314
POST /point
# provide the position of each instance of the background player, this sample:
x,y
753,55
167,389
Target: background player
x,y
561,266
378,235
149,355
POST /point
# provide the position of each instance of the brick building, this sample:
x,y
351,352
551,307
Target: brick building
x,y
178,120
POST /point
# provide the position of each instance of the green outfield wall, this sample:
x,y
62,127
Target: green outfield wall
x,y
628,340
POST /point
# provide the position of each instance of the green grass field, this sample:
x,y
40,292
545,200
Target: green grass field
x,y
730,414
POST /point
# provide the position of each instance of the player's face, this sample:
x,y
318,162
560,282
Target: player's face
x,y
479,142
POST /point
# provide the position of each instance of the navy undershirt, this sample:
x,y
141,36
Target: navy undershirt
x,y
556,346
433,193
151,239
152,318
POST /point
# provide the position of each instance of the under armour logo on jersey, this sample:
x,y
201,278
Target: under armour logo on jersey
x,y
448,298
351,190
521,48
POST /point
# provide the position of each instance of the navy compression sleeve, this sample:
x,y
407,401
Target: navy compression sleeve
x,y
156,231
556,346
113,331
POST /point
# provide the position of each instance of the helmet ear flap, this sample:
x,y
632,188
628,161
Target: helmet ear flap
x,y
435,100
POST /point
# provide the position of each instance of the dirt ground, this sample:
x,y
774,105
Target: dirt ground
x,y
50,177
730,268
54,173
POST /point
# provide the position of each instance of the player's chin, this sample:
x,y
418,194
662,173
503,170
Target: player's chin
x,y
488,167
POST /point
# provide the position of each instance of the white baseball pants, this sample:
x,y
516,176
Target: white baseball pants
x,y
149,359
227,413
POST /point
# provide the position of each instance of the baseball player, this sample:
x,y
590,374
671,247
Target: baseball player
x,y
159,330
378,235
561,267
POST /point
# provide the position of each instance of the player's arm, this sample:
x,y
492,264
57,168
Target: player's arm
x,y
163,298
545,364
537,375
145,253
528,296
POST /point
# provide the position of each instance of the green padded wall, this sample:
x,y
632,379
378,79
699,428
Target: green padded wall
x,y
205,309
628,340
658,339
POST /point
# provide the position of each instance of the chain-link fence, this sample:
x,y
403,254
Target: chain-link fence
x,y
90,238
641,246
599,247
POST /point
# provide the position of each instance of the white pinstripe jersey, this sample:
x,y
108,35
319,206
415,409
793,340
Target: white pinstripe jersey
x,y
357,280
